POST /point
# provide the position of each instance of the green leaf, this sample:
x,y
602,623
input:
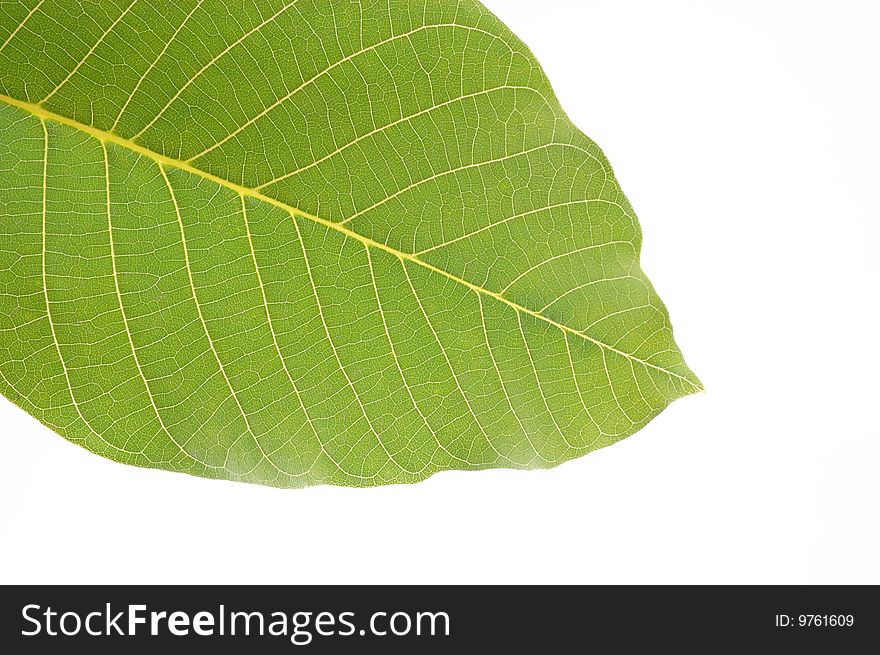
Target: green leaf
x,y
312,241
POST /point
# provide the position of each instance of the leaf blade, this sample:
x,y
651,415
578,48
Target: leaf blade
x,y
302,365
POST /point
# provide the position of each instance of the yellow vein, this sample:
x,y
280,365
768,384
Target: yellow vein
x,y
336,64
397,361
89,53
449,364
357,397
632,369
586,285
21,24
278,347
49,307
165,161
153,64
532,212
388,126
501,380
205,325
453,171
538,380
211,63
577,386
570,253
611,388
134,354
628,310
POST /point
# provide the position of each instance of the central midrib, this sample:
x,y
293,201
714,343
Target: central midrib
x,y
109,137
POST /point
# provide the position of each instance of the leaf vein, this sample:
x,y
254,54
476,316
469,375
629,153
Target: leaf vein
x,y
164,161
205,326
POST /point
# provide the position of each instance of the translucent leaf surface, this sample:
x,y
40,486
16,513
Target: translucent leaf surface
x,y
312,241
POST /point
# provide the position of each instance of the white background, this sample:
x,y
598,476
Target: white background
x,y
746,136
